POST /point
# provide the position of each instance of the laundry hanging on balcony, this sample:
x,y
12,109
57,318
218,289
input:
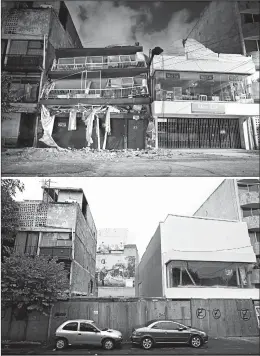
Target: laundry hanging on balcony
x,y
88,119
72,120
47,124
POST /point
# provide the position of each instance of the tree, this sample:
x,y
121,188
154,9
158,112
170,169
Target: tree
x,y
10,217
32,283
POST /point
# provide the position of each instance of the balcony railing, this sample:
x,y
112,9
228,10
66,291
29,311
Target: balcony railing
x,y
97,66
23,62
110,93
252,221
164,95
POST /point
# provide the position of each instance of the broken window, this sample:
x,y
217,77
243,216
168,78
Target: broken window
x,y
206,274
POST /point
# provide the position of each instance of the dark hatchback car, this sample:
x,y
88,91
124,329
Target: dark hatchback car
x,y
167,332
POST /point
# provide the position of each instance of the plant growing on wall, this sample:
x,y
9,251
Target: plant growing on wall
x,y
10,218
7,96
32,283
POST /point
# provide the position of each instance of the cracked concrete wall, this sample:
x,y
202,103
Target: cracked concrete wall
x,y
62,215
218,28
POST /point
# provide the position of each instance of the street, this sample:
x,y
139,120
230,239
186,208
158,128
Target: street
x,y
163,163
228,346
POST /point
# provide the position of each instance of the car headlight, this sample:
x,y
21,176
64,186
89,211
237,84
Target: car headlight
x,y
135,333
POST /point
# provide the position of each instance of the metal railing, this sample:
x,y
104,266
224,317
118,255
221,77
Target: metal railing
x,y
110,93
15,61
98,66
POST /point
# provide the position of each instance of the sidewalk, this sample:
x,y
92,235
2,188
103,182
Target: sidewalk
x,y
215,346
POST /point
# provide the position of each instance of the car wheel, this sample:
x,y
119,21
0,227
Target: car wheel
x,y
61,344
108,344
196,341
147,343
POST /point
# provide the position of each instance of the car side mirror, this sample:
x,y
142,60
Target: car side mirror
x,y
181,329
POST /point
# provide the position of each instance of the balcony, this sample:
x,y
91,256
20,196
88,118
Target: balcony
x,y
255,278
99,96
252,222
23,63
256,247
59,252
256,59
248,198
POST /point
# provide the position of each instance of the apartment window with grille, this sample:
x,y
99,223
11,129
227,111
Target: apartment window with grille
x,y
27,243
250,212
251,18
18,47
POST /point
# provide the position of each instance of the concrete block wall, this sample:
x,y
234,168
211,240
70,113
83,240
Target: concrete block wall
x,y
148,278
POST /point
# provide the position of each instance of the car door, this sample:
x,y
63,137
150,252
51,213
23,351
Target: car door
x,y
175,332
157,332
70,332
88,334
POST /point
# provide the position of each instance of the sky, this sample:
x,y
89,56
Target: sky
x,y
151,23
138,204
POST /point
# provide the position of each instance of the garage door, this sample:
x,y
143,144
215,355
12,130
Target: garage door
x,y
198,133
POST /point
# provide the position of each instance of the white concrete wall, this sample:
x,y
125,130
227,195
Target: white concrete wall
x,y
65,195
191,239
206,293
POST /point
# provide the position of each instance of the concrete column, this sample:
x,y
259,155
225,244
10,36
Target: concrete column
x,y
156,131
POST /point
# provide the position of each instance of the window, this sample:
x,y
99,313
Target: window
x,y
71,327
249,188
27,243
250,212
87,327
113,59
18,47
35,47
254,236
170,326
205,274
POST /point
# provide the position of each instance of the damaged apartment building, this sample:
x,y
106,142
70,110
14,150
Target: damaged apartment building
x,y
97,98
61,225
31,31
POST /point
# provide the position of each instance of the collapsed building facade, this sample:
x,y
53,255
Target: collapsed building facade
x,y
97,98
31,31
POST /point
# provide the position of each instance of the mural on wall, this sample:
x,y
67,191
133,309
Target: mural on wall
x,y
115,270
107,248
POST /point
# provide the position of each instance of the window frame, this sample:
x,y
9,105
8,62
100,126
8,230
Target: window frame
x,y
89,324
74,322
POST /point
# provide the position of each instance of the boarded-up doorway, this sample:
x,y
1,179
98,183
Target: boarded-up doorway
x,y
136,134
26,131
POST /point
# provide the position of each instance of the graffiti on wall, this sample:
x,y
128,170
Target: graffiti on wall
x,y
201,313
115,270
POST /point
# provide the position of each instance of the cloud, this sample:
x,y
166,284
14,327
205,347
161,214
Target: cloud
x,y
103,23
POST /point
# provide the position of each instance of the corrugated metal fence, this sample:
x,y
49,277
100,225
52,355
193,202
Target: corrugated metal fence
x,y
218,317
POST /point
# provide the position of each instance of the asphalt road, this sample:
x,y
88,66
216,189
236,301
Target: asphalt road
x,y
230,346
178,163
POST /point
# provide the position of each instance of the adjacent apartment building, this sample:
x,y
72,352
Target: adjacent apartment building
x,y
31,31
203,99
192,257
98,98
116,263
61,225
234,28
238,200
